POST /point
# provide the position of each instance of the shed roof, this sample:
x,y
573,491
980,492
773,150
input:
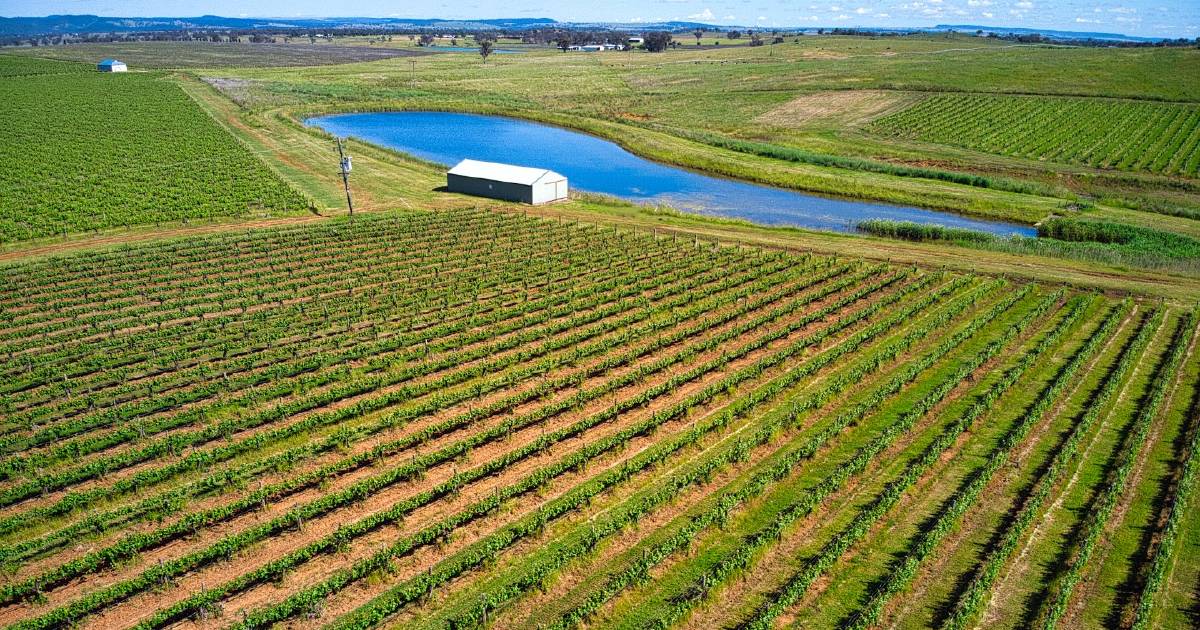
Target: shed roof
x,y
111,62
504,172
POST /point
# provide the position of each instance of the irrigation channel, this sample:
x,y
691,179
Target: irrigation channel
x,y
595,165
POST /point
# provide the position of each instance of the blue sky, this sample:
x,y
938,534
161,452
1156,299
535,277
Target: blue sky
x,y
1174,18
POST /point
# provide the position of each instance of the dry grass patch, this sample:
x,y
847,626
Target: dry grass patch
x,y
837,108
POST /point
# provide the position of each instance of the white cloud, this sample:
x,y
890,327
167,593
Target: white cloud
x,y
882,15
988,14
979,3
706,14
862,10
1024,4
1081,20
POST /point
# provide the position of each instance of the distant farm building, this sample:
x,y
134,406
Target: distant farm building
x,y
507,182
112,65
594,47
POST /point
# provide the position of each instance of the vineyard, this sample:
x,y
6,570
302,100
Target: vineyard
x,y
474,418
86,151
1112,134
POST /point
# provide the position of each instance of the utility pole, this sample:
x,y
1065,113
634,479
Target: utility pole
x,y
345,160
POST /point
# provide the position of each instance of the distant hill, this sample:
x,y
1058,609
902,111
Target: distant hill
x,y
81,24
1053,34
85,24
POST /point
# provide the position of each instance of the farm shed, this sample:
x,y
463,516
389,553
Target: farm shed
x,y
112,65
507,182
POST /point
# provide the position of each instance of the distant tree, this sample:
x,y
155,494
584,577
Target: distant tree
x,y
486,47
778,40
563,42
425,40
617,38
657,41
698,33
734,35
756,39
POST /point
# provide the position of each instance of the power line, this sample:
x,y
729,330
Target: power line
x,y
345,163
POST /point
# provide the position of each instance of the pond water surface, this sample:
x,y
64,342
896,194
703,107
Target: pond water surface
x,y
475,49
595,165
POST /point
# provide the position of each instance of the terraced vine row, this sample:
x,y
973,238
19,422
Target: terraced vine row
x,y
477,418
1104,133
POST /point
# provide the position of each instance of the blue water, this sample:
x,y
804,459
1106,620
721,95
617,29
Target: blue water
x,y
475,49
596,165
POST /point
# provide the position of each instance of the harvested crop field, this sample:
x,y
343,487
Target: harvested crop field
x,y
841,108
435,419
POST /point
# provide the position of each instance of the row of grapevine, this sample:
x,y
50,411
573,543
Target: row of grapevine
x,y
139,544
785,464
905,570
502,540
967,603
1104,133
1181,500
127,133
356,492
1114,485
450,419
